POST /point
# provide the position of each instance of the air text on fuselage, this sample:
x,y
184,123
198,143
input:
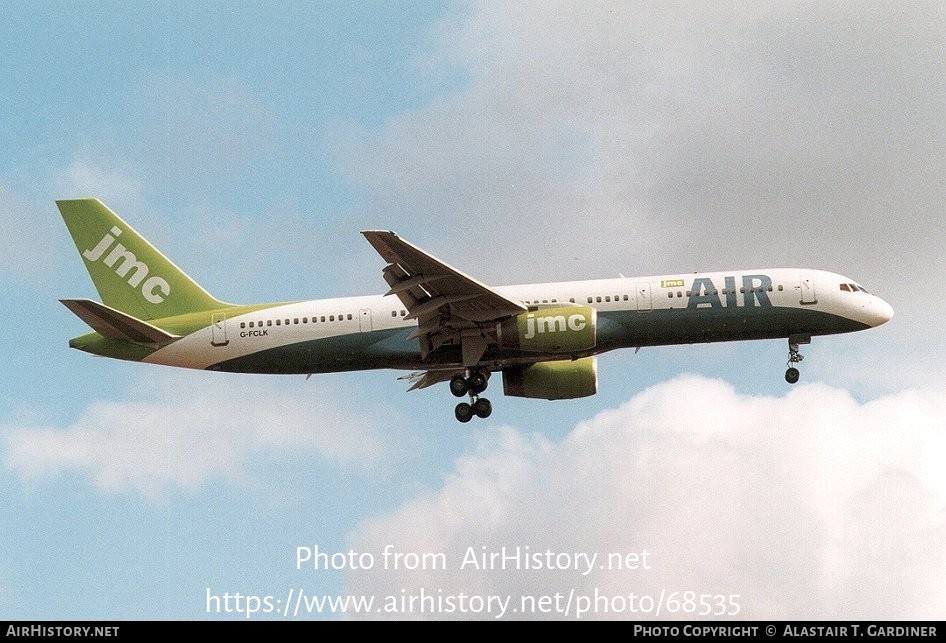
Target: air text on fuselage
x,y
753,292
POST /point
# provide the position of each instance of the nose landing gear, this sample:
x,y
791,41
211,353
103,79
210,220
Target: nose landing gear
x,y
473,384
794,357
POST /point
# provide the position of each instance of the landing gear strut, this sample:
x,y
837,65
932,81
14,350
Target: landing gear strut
x,y
473,384
794,357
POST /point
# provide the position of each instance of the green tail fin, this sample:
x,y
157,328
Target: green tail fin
x,y
131,275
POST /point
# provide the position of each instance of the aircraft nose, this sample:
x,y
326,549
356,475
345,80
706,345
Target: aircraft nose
x,y
879,312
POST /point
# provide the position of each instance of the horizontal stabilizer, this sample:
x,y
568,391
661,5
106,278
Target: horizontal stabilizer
x,y
115,324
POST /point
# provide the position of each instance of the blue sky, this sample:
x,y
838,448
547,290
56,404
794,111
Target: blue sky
x,y
520,142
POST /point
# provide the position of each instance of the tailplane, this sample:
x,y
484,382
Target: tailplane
x,y
109,322
131,275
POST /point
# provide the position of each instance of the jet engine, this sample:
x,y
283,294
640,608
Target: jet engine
x,y
558,380
567,329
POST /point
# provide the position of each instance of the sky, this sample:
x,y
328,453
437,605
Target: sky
x,y
520,142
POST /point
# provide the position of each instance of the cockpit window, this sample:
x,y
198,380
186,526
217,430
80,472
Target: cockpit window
x,y
853,288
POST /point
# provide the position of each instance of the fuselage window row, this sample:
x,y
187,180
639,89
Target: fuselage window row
x,y
305,320
605,298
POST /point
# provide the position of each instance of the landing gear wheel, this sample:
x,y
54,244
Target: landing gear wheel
x,y
482,408
464,412
794,356
477,382
473,383
459,386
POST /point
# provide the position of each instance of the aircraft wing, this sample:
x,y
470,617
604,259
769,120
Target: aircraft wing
x,y
447,304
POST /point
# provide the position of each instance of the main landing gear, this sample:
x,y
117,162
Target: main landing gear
x,y
794,357
473,384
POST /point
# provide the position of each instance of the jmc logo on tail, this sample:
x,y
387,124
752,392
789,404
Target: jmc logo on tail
x,y
154,289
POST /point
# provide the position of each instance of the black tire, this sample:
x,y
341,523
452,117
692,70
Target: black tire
x,y
482,408
792,375
459,386
464,412
478,382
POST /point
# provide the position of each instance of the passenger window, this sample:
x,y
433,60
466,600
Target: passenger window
x,y
242,324
269,322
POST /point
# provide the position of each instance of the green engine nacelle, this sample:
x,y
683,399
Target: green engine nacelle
x,y
559,380
551,330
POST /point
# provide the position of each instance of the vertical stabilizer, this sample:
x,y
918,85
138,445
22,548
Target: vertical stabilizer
x,y
130,274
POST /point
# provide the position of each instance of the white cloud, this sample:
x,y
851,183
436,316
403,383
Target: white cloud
x,y
23,234
118,188
811,505
187,432
691,133
196,130
592,139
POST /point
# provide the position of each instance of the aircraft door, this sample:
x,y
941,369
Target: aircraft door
x,y
808,295
218,329
364,320
644,303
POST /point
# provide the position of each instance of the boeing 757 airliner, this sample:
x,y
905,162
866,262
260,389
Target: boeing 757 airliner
x,y
439,323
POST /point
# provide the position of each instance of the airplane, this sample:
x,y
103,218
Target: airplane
x,y
440,324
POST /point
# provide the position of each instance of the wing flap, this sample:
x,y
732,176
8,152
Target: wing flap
x,y
429,378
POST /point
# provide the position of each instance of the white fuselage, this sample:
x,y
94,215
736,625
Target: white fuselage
x,y
374,331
